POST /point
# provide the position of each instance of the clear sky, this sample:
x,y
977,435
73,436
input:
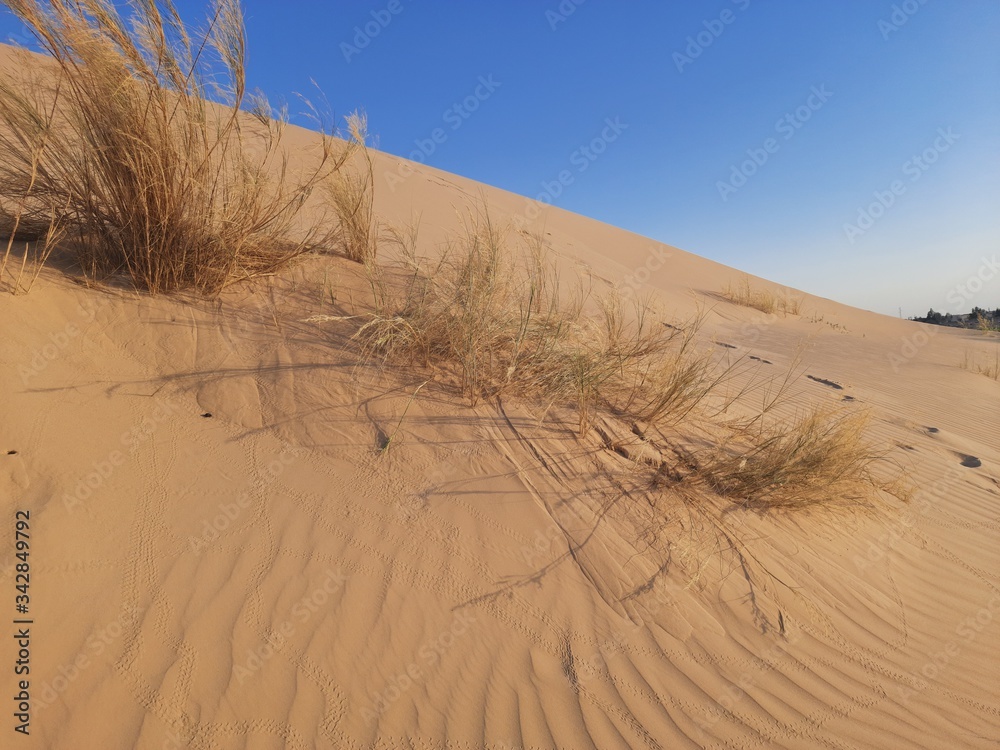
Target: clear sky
x,y
850,148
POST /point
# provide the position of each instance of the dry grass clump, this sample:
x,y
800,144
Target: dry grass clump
x,y
122,140
984,324
352,193
761,299
39,240
500,322
985,367
497,321
815,458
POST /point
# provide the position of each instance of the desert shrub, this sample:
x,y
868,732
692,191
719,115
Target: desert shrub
x,y
501,322
472,309
817,457
982,366
984,322
497,320
761,299
144,139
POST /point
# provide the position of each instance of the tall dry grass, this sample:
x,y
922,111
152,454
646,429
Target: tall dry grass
x,y
145,142
495,318
761,299
819,456
498,319
35,240
984,324
351,191
982,366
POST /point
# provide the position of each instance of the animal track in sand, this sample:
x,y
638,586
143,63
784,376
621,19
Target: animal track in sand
x,y
824,381
727,346
763,361
970,462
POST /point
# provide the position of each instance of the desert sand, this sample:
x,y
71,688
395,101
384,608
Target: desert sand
x,y
221,557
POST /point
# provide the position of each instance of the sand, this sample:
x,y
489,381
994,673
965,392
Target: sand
x,y
220,557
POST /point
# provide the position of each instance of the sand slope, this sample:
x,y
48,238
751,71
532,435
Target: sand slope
x,y
220,558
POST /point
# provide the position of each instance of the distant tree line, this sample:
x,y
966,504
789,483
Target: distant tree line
x,y
978,318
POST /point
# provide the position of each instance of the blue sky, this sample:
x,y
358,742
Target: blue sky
x,y
850,148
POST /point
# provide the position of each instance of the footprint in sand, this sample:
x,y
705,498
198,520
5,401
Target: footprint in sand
x,y
758,359
932,430
824,381
848,398
727,346
970,462
11,453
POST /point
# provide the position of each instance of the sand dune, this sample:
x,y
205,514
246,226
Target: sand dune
x,y
221,559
